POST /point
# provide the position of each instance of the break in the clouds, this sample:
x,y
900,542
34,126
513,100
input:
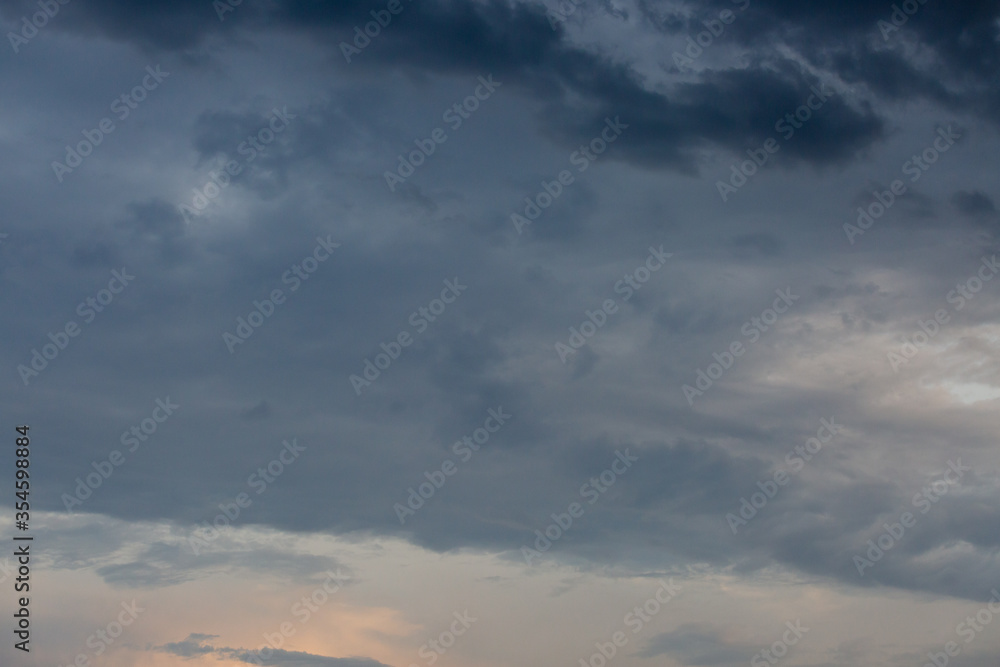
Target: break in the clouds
x,y
414,287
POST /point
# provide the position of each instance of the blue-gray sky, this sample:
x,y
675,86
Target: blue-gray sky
x,y
483,253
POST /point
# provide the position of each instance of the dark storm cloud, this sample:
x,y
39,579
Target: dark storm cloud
x,y
157,25
820,527
492,348
530,469
848,39
735,109
891,76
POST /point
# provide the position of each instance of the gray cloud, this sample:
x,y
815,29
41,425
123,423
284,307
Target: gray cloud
x,y
494,346
194,646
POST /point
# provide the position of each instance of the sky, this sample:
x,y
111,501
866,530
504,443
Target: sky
x,y
487,333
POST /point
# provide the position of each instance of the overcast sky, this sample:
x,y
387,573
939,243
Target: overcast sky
x,y
702,292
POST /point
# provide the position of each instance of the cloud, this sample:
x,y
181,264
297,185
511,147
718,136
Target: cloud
x,y
973,203
197,279
191,647
194,646
698,645
734,108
